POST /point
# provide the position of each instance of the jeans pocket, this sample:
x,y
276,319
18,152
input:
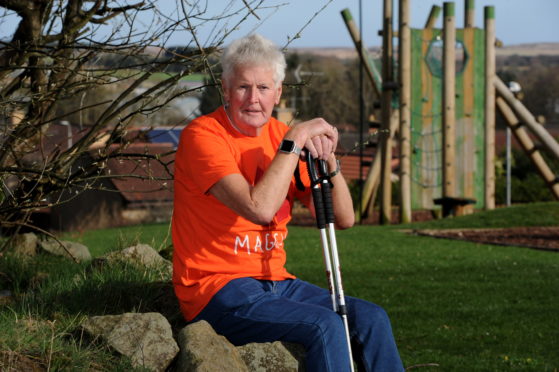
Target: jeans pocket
x,y
237,293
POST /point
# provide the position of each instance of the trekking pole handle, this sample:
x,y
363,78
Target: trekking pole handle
x,y
312,169
321,190
319,207
327,200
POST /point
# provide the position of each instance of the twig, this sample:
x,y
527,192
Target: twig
x,y
366,141
298,33
250,10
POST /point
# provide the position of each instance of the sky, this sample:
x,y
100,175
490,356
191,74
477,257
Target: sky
x,y
517,21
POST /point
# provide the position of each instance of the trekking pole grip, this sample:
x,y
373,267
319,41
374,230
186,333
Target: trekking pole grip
x,y
315,178
326,187
319,208
327,201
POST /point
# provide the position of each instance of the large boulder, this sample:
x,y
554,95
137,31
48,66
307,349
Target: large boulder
x,y
202,350
76,251
146,339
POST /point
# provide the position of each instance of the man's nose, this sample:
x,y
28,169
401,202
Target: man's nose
x,y
253,94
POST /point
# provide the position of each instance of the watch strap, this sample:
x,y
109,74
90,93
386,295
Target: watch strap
x,y
289,146
337,170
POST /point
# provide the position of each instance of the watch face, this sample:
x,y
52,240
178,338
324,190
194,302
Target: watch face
x,y
287,146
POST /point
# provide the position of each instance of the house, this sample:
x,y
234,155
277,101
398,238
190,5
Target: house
x,y
132,189
135,187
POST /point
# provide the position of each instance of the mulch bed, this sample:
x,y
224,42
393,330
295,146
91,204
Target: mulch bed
x,y
545,238
542,237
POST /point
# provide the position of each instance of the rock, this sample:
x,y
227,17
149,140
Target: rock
x,y
143,255
25,244
268,357
202,350
72,250
146,338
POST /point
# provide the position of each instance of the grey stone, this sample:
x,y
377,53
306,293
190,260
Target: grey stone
x,y
25,244
202,350
73,250
143,255
268,357
146,339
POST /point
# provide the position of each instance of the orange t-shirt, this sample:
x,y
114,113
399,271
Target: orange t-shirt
x,y
212,244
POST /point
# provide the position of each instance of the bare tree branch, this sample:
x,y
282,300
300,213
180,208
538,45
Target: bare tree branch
x,y
99,67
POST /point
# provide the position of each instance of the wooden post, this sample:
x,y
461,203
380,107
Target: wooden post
x,y
433,16
529,147
372,181
527,118
404,55
370,186
449,100
469,14
489,194
386,108
370,68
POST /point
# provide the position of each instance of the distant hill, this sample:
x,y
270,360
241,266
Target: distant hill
x,y
336,52
534,49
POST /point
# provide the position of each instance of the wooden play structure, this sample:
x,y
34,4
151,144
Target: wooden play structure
x,y
438,101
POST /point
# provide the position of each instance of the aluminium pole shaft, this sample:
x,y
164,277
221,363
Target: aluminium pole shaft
x,y
329,215
322,200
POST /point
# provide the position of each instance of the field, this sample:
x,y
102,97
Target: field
x,y
455,305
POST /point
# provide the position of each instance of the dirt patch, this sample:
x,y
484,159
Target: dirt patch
x,y
546,238
10,361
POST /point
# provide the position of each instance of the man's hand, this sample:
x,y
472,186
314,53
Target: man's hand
x,y
315,135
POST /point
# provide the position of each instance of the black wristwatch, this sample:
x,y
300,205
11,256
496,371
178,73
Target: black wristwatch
x,y
289,146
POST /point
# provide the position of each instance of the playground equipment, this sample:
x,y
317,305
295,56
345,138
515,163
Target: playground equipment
x,y
440,106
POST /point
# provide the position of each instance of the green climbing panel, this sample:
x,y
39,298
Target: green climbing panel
x,y
426,116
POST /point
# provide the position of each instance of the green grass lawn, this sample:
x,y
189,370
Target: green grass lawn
x,y
463,306
454,305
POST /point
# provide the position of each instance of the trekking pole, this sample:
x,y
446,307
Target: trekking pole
x,y
322,197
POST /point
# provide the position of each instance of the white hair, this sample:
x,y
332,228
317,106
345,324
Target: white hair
x,y
253,50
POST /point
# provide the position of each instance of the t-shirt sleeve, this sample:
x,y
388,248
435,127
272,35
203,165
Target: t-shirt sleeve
x,y
206,156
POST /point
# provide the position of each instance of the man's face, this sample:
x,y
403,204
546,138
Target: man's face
x,y
252,94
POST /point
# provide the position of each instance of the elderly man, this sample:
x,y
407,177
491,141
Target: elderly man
x,y
234,189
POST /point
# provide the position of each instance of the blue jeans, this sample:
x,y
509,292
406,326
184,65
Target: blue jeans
x,y
249,310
